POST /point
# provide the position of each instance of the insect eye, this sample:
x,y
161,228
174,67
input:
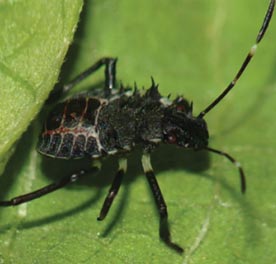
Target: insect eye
x,y
172,138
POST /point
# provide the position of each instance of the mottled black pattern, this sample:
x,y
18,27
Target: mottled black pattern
x,y
79,146
69,131
73,113
92,147
65,149
90,114
131,120
144,119
117,124
55,143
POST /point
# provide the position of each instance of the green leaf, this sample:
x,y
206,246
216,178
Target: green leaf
x,y
34,39
192,48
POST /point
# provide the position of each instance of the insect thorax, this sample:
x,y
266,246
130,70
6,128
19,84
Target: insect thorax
x,y
93,126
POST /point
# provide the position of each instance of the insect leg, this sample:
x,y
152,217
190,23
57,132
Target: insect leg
x,y
110,77
164,231
113,189
43,191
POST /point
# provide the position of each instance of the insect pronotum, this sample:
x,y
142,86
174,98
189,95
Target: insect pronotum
x,y
113,121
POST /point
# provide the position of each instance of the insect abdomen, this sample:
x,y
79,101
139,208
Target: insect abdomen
x,y
70,130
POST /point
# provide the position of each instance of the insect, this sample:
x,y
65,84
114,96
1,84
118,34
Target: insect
x,y
113,121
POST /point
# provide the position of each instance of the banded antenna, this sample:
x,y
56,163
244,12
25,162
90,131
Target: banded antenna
x,y
248,58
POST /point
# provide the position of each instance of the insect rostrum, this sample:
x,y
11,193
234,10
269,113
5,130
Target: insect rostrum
x,y
114,120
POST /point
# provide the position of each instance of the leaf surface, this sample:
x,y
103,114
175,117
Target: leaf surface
x,y
192,48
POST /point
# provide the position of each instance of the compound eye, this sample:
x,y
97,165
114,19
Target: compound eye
x,y
172,138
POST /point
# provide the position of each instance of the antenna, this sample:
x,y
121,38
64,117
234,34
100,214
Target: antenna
x,y
236,163
248,58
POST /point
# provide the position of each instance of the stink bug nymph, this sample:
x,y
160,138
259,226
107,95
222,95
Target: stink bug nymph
x,y
113,121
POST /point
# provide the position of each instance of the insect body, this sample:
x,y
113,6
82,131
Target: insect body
x,y
96,127
114,121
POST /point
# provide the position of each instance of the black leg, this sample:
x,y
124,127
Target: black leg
x,y
43,191
164,231
113,189
110,77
